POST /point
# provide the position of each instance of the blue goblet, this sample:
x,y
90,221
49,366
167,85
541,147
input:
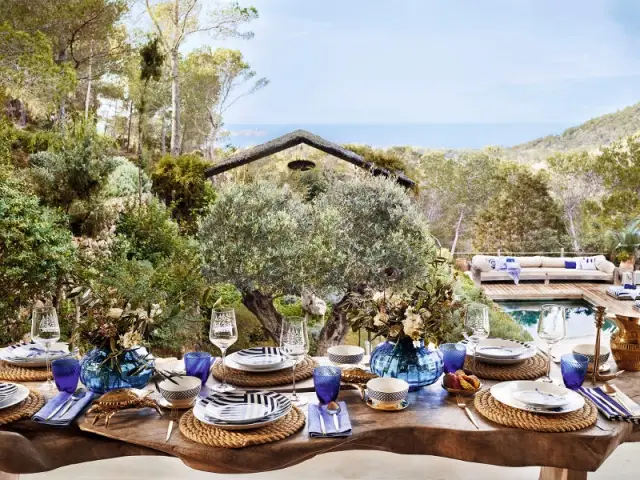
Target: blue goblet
x,y
453,355
66,373
574,368
198,364
326,381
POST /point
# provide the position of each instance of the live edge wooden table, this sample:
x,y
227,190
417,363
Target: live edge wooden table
x,y
432,425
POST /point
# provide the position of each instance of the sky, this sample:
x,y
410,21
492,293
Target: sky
x,y
438,61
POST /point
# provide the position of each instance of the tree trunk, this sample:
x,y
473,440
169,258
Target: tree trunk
x,y
163,136
573,232
23,114
336,328
457,235
175,104
129,126
62,112
87,100
261,306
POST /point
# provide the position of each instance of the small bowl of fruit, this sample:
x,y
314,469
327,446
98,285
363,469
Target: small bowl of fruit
x,y
460,383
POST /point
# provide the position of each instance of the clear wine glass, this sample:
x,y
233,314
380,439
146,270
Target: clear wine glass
x,y
552,327
45,330
223,333
294,344
476,323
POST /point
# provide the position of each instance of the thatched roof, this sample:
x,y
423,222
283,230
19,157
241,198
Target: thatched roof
x,y
296,138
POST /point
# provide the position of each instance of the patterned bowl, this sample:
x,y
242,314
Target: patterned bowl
x,y
350,354
387,391
182,393
588,350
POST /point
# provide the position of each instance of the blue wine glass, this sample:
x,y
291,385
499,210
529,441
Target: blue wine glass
x,y
66,373
198,364
326,381
453,356
574,368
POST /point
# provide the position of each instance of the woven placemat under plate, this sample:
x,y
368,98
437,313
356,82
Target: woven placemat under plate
x,y
240,378
512,417
14,373
25,409
530,369
199,432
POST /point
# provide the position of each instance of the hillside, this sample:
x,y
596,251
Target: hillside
x,y
589,136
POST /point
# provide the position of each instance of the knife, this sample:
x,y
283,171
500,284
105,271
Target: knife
x,y
60,407
323,429
169,430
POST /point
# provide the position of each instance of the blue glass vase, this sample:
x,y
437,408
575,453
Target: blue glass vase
x,y
409,361
101,377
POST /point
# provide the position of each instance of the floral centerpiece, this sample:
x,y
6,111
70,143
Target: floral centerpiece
x,y
408,319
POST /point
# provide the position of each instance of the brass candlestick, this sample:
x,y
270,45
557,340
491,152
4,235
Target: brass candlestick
x,y
600,316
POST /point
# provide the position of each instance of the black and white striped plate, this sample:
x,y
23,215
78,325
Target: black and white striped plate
x,y
259,357
241,410
32,355
7,390
19,394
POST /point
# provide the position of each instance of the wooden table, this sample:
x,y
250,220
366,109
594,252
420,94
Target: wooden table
x,y
432,425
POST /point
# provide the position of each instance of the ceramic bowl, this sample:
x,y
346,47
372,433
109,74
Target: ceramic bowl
x,y
350,354
588,350
182,393
386,391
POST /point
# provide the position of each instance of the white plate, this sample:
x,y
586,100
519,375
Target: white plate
x,y
259,357
530,351
20,394
541,398
232,363
505,393
17,354
501,351
281,404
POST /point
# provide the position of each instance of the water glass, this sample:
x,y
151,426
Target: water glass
x,y
476,326
574,369
552,327
45,330
223,333
326,381
453,355
198,364
66,373
294,344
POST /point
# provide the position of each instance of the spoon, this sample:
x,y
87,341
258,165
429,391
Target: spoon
x,y
334,409
613,393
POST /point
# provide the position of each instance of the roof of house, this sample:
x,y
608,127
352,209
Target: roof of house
x,y
296,138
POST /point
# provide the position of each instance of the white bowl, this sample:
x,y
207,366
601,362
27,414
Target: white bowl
x,y
182,393
387,391
588,350
341,354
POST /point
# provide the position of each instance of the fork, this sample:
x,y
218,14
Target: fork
x,y
463,406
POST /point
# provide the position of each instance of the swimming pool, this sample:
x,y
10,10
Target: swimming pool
x,y
580,316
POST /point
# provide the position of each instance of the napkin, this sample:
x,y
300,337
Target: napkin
x,y
314,422
76,409
609,407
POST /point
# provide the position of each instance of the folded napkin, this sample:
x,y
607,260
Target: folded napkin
x,y
76,409
611,408
314,422
622,292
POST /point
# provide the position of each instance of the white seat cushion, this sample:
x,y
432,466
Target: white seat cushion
x,y
553,262
529,262
481,262
604,265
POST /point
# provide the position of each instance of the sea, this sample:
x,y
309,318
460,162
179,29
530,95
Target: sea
x,y
435,136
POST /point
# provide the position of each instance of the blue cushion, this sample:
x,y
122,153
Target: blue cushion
x,y
629,287
569,264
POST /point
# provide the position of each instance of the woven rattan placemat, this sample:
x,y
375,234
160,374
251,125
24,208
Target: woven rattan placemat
x,y
512,417
25,409
240,378
199,432
530,369
13,373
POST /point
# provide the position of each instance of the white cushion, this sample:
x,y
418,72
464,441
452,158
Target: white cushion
x,y
604,265
553,262
481,262
588,263
529,262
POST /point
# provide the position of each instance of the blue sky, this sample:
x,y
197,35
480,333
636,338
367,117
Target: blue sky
x,y
441,62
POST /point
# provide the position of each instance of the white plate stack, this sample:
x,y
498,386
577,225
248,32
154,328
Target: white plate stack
x,y
498,351
258,360
31,355
537,397
241,410
11,394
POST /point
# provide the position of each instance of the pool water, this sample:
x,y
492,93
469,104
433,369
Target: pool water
x,y
580,316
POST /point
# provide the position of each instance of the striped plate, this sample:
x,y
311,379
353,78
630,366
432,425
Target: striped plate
x,y
259,357
241,410
32,355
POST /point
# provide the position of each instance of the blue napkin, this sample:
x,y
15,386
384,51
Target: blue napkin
x,y
609,407
314,422
76,409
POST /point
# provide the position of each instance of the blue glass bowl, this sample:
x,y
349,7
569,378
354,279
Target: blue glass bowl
x,y
101,376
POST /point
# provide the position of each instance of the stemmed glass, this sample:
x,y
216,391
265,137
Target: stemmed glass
x,y
552,328
223,333
45,330
476,323
294,344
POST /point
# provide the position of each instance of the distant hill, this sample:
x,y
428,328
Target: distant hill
x,y
590,135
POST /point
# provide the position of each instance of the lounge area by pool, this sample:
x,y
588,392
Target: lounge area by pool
x,y
580,316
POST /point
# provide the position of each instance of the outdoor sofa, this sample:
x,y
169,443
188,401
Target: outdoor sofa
x,y
545,269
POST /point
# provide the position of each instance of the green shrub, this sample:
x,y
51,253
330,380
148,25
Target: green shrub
x,y
123,181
